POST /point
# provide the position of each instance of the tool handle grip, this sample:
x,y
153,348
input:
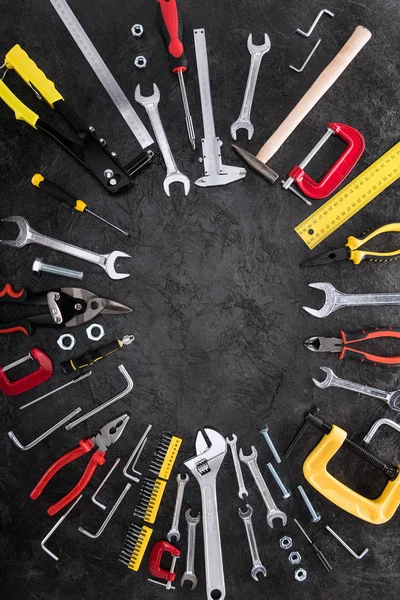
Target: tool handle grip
x,y
8,294
56,192
22,325
98,458
172,31
21,111
358,255
28,70
90,357
369,334
84,447
322,557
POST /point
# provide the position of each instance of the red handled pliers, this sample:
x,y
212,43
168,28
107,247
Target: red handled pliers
x,y
342,345
108,434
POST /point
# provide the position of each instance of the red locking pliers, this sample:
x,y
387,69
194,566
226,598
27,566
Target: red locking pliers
x,y
108,434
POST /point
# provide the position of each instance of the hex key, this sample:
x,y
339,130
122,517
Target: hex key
x,y
52,530
109,516
44,435
136,452
103,506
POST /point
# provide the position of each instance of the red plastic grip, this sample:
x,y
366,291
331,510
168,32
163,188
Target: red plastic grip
x,y
9,291
369,334
169,12
339,171
19,386
155,559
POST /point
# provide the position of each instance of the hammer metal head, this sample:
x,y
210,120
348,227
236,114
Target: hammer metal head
x,y
256,164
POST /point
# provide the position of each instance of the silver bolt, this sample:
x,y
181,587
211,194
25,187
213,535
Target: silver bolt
x,y
39,266
108,173
112,181
264,432
315,516
284,490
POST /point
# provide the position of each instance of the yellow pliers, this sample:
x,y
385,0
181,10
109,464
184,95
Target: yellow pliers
x,y
350,250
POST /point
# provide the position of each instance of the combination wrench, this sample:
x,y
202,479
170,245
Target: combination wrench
x,y
392,399
335,300
150,103
273,511
239,476
256,53
27,235
174,531
258,567
189,574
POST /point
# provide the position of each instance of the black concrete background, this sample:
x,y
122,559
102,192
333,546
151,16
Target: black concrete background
x,y
216,293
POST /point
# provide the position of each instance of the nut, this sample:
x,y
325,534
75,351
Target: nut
x,y
137,30
66,341
294,558
285,542
140,62
300,574
93,336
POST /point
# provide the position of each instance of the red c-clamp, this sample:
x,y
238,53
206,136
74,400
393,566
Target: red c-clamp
x,y
45,370
338,172
155,559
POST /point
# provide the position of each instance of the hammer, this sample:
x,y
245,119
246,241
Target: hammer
x,y
326,79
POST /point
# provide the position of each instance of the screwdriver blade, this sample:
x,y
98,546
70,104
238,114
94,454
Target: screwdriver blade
x,y
188,117
107,222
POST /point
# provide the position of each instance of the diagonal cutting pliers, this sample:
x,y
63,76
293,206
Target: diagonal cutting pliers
x,y
66,307
351,250
107,435
342,345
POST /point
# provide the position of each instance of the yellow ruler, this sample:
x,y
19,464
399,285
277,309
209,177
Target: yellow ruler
x,y
352,198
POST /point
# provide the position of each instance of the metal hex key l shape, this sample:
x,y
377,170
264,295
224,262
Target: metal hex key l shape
x,y
27,235
334,300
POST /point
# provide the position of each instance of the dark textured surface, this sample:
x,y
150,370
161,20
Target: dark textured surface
x,y
216,292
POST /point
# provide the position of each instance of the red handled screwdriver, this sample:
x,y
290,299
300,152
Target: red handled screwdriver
x,y
172,31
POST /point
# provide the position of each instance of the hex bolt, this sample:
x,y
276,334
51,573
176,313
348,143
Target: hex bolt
x,y
264,432
315,516
39,266
283,488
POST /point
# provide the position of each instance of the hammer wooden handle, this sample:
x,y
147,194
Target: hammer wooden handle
x,y
321,85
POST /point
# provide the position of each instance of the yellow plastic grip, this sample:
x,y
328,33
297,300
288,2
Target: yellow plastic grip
x,y
80,205
37,179
22,112
358,255
18,60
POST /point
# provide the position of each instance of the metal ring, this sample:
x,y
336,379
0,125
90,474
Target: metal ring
x,y
137,30
140,62
93,336
62,339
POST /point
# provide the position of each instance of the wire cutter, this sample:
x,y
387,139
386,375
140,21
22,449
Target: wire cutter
x,y
67,307
107,435
342,345
350,250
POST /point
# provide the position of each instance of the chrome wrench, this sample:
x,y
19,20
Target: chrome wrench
x,y
392,399
335,300
239,476
204,467
174,531
258,567
189,574
256,53
273,511
27,235
150,103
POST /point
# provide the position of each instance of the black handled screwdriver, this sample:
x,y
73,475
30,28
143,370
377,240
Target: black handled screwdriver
x,y
91,356
314,546
59,194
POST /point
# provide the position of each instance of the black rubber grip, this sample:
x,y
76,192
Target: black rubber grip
x,y
89,357
56,192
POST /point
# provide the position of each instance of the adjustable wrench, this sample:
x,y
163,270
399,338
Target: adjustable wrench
x,y
204,467
256,53
273,511
239,476
335,300
27,235
391,398
258,567
191,549
150,103
174,531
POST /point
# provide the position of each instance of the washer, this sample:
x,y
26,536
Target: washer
x,y
91,332
66,341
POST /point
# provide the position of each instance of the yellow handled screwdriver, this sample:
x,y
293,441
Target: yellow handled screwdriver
x,y
56,192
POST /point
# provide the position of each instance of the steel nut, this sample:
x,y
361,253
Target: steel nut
x,y
66,341
300,574
285,542
294,558
91,332
140,62
137,30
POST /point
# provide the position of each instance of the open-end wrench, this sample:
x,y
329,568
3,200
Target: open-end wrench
x,y
256,53
391,398
335,300
273,511
239,476
174,531
150,103
204,467
27,235
258,567
189,574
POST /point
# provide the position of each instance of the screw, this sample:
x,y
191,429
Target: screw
x,y
108,173
39,266
284,490
264,432
315,516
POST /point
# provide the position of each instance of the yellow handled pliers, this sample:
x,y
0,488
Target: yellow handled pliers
x,y
351,252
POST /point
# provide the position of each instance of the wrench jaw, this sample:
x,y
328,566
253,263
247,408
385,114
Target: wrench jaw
x,y
143,100
109,265
23,236
189,577
205,465
276,514
177,177
259,569
265,47
328,379
239,124
330,300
